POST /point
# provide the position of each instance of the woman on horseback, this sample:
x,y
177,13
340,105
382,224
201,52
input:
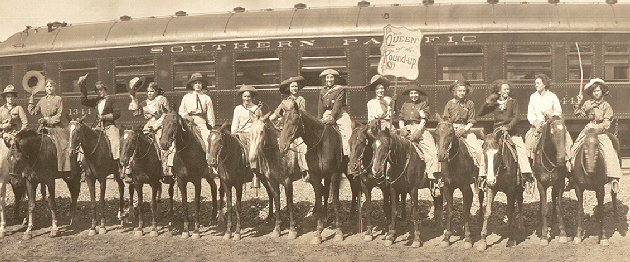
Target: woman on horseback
x,y
245,113
600,114
505,111
50,107
380,107
331,108
292,87
460,111
107,113
153,110
197,107
543,104
12,116
412,119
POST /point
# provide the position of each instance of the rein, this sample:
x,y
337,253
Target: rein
x,y
321,138
546,157
41,145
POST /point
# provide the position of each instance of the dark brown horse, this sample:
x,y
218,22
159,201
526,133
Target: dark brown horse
x,y
98,164
279,169
189,165
406,173
17,183
458,172
228,158
589,173
502,176
550,170
139,155
39,153
325,161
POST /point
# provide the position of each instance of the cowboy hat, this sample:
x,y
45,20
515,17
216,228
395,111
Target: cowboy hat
x,y
245,88
595,82
413,86
284,86
197,77
329,72
375,81
136,83
456,83
10,89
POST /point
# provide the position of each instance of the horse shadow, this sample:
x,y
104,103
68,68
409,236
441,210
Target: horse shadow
x,y
590,225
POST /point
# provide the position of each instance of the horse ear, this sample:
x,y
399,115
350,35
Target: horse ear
x,y
439,117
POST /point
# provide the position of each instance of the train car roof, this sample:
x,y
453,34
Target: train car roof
x,y
318,22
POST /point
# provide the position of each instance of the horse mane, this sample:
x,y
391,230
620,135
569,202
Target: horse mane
x,y
26,133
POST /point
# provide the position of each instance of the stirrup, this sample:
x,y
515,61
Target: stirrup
x,y
614,186
435,186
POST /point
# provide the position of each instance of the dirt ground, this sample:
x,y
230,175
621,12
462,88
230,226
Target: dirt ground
x,y
119,243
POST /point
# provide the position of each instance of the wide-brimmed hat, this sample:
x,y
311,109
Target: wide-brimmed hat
x,y
136,83
244,88
329,72
197,77
595,82
10,89
460,83
413,86
284,86
377,80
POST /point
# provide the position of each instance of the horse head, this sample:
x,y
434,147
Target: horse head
x,y
556,131
216,143
446,134
128,147
23,149
292,127
76,133
171,124
492,152
591,150
381,149
257,134
360,149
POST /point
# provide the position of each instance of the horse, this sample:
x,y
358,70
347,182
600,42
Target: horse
x,y
325,161
406,173
550,171
228,158
189,165
458,172
98,164
139,155
38,152
502,176
17,183
589,173
278,169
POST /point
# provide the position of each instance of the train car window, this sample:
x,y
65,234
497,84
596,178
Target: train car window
x,y
127,68
616,63
71,71
5,76
313,62
373,59
260,69
460,62
524,62
186,65
573,61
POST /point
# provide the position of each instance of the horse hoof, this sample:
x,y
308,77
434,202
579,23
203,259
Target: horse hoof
x,y
577,240
2,233
511,243
544,242
368,238
389,242
275,234
24,222
184,235
338,237
292,235
482,245
196,236
102,231
227,236
54,233
416,244
316,240
237,237
138,233
153,233
563,239
604,242
27,236
445,243
467,245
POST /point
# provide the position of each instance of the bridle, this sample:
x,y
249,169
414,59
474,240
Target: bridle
x,y
294,136
78,148
388,159
218,158
543,155
450,145
364,168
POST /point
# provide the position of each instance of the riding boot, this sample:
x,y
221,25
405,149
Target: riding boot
x,y
528,182
168,175
568,184
436,186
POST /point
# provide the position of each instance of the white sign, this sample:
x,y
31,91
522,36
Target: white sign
x,y
400,52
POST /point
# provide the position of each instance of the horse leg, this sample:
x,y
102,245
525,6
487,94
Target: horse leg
x,y
74,186
275,189
486,218
267,184
579,193
288,190
403,207
557,199
155,189
325,195
544,233
197,184
228,212
31,192
391,233
448,194
317,211
121,198
138,231
132,210
184,192
415,209
221,213
213,192
480,212
171,192
355,188
467,194
103,185
92,187
337,207
511,200
368,236
603,239
3,194
52,204
239,197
